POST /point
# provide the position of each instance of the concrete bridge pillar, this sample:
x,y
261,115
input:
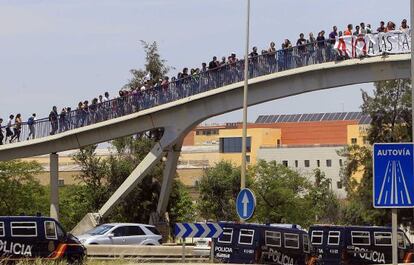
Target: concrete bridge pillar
x,y
54,187
168,179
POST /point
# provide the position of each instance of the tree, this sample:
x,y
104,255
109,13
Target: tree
x,y
390,110
218,189
324,202
281,194
180,205
20,191
155,67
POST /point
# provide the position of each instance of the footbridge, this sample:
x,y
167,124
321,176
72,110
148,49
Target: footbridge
x,y
180,106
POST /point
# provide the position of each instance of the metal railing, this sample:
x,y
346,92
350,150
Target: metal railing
x,y
264,64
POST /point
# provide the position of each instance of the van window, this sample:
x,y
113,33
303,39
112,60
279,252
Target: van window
x,y
291,240
246,236
333,238
50,230
306,245
317,237
23,229
382,238
360,238
226,236
1,229
273,239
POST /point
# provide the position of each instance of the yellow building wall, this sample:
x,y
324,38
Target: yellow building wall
x,y
205,139
359,132
259,137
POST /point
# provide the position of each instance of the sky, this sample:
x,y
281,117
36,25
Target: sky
x,y
62,52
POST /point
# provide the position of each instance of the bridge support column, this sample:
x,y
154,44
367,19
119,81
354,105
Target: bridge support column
x,y
167,181
134,179
54,186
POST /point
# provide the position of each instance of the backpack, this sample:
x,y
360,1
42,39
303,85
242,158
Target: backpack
x,y
30,121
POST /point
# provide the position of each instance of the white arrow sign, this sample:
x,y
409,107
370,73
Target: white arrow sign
x,y
245,202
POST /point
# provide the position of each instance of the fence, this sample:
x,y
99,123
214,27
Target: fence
x,y
267,63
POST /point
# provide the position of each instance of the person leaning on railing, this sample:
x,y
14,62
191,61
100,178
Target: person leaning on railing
x,y
1,132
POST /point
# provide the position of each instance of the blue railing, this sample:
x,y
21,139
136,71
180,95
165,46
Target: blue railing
x,y
281,60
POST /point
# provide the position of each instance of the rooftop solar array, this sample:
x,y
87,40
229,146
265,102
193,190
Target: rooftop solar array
x,y
306,117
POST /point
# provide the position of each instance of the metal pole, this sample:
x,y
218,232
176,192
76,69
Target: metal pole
x,y
54,186
183,254
246,83
212,251
412,64
394,237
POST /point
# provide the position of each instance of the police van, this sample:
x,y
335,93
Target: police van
x,y
352,245
259,243
34,237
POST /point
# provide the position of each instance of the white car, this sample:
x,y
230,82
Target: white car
x,y
122,234
202,247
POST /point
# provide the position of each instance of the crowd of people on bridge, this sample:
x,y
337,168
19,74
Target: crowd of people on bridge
x,y
307,51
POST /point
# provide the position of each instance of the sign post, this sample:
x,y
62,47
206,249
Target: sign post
x,y
393,182
245,204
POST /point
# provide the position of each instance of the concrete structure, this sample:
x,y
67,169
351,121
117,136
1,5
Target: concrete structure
x,y
179,117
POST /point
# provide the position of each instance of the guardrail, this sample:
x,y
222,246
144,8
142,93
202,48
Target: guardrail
x,y
144,253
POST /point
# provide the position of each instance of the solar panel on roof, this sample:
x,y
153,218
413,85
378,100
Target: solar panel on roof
x,y
266,118
303,117
259,119
274,118
314,117
296,117
342,116
283,118
319,116
359,115
336,116
291,118
327,116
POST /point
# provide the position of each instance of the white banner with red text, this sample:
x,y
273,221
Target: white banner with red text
x,y
374,44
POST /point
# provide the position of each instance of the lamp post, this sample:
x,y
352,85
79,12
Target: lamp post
x,y
246,83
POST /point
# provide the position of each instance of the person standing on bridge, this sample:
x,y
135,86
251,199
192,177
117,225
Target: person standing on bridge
x,y
17,128
9,132
404,27
53,119
31,123
1,132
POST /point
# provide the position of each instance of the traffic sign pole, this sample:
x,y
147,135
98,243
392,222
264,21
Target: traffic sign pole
x,y
394,237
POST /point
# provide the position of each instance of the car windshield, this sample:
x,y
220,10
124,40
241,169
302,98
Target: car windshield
x,y
100,230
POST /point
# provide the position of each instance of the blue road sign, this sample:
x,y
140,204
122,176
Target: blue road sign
x,y
393,175
186,230
245,204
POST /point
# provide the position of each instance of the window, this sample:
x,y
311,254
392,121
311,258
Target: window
x,y
333,238
296,163
285,163
134,230
306,245
353,140
382,238
307,163
246,236
317,237
291,240
226,236
339,184
24,229
318,163
247,159
340,163
2,234
153,230
50,230
273,239
61,182
365,140
120,231
198,132
278,142
360,238
328,162
233,145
